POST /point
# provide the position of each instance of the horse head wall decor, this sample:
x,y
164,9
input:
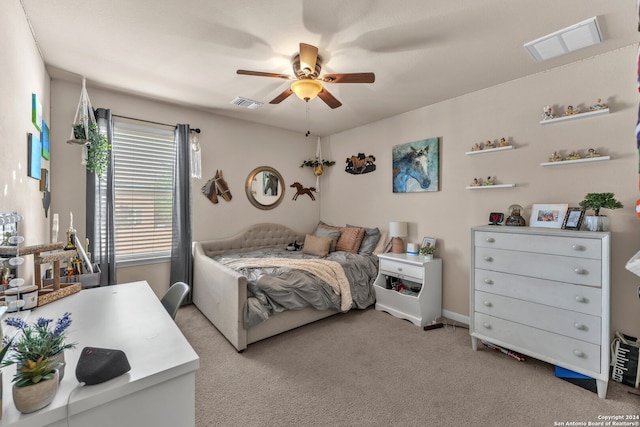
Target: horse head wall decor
x,y
415,166
300,190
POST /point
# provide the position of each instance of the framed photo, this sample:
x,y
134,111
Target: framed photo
x,y
34,156
428,241
573,219
36,112
44,138
550,216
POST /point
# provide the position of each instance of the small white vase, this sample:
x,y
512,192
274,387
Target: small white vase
x,y
597,223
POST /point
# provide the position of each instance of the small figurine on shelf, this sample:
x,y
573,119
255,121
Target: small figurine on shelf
x,y
502,143
476,147
571,110
71,235
598,105
574,155
555,157
475,183
592,152
488,145
488,181
548,113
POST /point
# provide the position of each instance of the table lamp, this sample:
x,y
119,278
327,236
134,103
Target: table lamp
x,y
397,230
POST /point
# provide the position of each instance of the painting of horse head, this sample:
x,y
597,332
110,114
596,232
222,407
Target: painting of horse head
x,y
415,166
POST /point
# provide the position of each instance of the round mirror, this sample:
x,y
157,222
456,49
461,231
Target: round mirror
x,y
265,187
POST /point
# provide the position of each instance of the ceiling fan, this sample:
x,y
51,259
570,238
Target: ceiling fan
x,y
306,68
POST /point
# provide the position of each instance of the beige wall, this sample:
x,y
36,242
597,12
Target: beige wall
x,y
21,74
234,146
513,111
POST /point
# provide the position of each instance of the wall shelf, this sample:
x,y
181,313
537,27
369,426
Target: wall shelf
x,y
489,150
575,116
488,187
585,160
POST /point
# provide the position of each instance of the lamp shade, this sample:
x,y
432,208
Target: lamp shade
x,y
306,89
398,229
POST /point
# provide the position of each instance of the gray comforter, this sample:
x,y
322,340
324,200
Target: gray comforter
x,y
275,289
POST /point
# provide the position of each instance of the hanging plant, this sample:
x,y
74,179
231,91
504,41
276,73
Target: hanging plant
x,y
98,148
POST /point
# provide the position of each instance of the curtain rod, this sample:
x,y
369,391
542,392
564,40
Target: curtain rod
x,y
196,130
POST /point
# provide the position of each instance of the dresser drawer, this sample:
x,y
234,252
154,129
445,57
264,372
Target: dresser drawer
x,y
583,299
569,323
583,271
402,270
543,345
553,245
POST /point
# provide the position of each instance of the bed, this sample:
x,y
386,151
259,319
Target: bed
x,y
251,286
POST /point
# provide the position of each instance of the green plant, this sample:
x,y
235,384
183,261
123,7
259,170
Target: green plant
x,y
99,149
34,349
427,250
597,201
312,163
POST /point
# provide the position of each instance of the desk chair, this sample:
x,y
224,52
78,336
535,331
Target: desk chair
x,y
174,298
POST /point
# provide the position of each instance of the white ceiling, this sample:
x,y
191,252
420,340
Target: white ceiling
x,y
421,51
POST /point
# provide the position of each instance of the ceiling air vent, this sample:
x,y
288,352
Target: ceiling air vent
x,y
246,103
578,36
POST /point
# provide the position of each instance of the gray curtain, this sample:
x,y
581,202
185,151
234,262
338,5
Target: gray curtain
x,y
100,210
181,258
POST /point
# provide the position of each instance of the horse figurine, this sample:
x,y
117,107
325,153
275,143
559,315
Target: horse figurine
x,y
413,164
359,163
300,190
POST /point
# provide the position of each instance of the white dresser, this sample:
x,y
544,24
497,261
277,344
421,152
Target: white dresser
x,y
544,293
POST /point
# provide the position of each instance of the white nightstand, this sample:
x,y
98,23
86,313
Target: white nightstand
x,y
409,287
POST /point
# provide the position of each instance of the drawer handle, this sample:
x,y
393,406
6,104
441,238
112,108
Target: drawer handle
x,y
580,326
579,353
488,303
579,270
580,298
486,325
488,281
490,239
577,247
488,258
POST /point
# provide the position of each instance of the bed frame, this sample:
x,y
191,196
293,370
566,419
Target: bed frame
x,y
220,293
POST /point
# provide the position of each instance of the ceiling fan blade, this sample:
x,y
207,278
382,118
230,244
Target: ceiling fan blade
x,y
284,95
329,99
349,78
262,74
308,56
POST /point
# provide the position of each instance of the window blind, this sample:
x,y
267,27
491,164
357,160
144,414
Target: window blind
x,y
143,162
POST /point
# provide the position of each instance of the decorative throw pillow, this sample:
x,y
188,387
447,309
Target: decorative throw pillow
x,y
325,230
382,243
370,240
350,239
314,245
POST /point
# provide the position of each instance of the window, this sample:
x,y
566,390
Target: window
x,y
143,161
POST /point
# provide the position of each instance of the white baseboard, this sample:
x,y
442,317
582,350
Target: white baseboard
x,y
455,316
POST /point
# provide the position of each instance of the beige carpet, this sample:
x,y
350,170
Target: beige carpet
x,y
367,368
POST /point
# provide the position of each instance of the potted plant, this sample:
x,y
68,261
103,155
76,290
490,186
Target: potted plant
x,y
595,202
317,165
38,353
98,147
428,251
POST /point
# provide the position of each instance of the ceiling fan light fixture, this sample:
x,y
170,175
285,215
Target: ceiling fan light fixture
x,y
306,89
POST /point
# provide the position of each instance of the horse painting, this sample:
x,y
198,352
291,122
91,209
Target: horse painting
x,y
415,166
300,190
270,184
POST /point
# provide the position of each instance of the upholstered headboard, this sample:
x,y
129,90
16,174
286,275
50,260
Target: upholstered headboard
x,y
254,237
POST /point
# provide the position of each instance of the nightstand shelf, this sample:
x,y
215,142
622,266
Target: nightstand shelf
x,y
584,160
419,299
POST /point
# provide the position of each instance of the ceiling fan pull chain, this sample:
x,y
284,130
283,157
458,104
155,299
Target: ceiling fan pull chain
x,y
307,117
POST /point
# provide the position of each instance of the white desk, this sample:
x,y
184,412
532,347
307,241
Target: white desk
x,y
159,390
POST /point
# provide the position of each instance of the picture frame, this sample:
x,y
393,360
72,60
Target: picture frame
x,y
573,219
548,215
44,138
36,112
416,166
34,157
428,241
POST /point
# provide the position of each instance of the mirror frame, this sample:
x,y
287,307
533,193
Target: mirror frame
x,y
249,192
